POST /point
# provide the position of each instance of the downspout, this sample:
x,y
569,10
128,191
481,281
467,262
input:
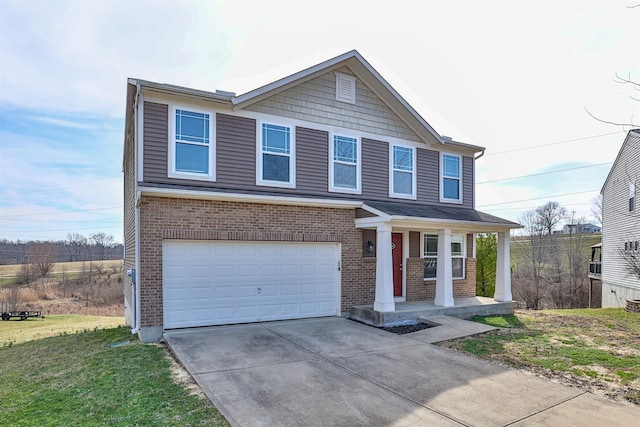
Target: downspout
x,y
136,315
481,154
136,285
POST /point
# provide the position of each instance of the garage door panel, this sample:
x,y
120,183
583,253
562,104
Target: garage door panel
x,y
212,283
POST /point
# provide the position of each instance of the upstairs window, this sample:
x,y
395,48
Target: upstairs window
x,y
430,255
192,152
345,165
402,176
450,178
632,197
275,156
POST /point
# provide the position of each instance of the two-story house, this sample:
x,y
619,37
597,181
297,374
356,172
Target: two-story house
x,y
621,226
309,196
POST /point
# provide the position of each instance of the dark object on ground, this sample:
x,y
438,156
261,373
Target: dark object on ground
x,y
407,329
23,315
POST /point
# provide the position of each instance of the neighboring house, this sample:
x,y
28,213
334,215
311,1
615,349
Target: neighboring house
x,y
305,197
621,225
581,229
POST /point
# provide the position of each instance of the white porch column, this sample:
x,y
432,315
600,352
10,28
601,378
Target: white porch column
x,y
444,273
384,270
503,269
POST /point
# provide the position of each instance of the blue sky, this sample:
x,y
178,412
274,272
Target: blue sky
x,y
506,75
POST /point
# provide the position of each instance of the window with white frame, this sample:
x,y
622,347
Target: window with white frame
x,y
450,178
632,197
275,156
345,165
430,255
403,172
192,152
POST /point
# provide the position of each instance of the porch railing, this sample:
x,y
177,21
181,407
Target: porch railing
x,y
595,268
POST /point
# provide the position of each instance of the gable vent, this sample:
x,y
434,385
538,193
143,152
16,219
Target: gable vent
x,y
345,88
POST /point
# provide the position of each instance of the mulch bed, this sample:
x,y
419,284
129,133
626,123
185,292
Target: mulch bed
x,y
407,329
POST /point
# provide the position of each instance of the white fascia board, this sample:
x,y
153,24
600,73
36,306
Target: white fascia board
x,y
480,227
249,198
168,89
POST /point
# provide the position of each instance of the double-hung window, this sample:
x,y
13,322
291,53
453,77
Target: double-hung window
x,y
192,153
403,175
275,156
345,165
430,255
632,197
450,178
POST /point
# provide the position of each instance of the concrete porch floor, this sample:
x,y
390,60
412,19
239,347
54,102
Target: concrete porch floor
x,y
411,312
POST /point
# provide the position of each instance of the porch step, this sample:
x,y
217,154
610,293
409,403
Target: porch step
x,y
410,312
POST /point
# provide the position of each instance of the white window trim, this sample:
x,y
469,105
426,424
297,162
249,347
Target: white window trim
x,y
443,199
413,195
463,256
340,77
171,169
332,187
292,155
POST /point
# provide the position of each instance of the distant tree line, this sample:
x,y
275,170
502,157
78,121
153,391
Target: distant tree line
x,y
549,270
76,247
552,269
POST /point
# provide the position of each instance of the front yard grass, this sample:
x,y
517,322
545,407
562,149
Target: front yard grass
x,y
17,331
82,379
595,349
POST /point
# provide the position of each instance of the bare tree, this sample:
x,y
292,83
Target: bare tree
x,y
43,257
103,242
76,244
549,215
596,208
576,265
529,283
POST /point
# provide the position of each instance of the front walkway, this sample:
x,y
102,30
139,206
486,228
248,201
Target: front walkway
x,y
333,371
411,312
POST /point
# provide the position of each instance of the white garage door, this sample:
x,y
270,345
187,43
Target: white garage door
x,y
217,283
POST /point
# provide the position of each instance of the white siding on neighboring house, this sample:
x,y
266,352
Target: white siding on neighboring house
x,y
619,225
315,101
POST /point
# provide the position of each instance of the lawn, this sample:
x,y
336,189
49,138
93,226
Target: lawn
x,y
595,349
17,331
84,379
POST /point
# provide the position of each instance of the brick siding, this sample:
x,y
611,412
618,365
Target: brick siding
x,y
418,289
190,219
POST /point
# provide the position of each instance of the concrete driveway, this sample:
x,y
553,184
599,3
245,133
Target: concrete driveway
x,y
333,371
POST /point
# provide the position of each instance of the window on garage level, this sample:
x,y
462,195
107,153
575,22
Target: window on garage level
x,y
430,255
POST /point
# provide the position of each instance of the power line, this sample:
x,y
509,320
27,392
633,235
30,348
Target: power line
x,y
552,143
76,185
539,198
543,173
61,213
531,207
59,229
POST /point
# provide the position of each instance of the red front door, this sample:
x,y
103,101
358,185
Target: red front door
x,y
396,255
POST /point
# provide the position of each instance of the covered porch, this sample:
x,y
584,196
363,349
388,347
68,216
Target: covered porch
x,y
425,262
